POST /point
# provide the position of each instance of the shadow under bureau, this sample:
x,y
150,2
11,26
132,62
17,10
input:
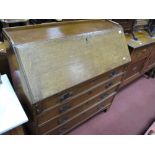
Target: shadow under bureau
x,y
65,73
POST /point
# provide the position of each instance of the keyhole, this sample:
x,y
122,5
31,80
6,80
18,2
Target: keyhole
x,y
86,40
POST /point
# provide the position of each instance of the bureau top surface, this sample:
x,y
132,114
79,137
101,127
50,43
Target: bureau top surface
x,y
32,33
59,60
143,39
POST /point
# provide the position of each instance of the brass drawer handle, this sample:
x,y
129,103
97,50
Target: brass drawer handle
x,y
109,85
62,120
90,92
65,96
113,73
61,130
99,106
64,108
103,96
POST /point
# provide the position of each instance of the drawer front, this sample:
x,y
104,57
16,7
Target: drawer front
x,y
60,109
139,54
67,95
85,115
134,68
104,98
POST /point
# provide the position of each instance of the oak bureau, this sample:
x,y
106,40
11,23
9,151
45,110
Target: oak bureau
x,y
65,73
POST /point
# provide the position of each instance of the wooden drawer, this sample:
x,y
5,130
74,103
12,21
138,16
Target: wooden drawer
x,y
134,68
82,117
67,95
139,54
62,119
91,93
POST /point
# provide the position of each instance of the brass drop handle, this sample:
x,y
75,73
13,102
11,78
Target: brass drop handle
x,y
64,108
62,120
99,106
65,96
113,73
103,96
90,92
61,130
108,84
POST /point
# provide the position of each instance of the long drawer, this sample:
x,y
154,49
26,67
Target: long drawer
x,y
82,117
62,119
88,95
70,93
